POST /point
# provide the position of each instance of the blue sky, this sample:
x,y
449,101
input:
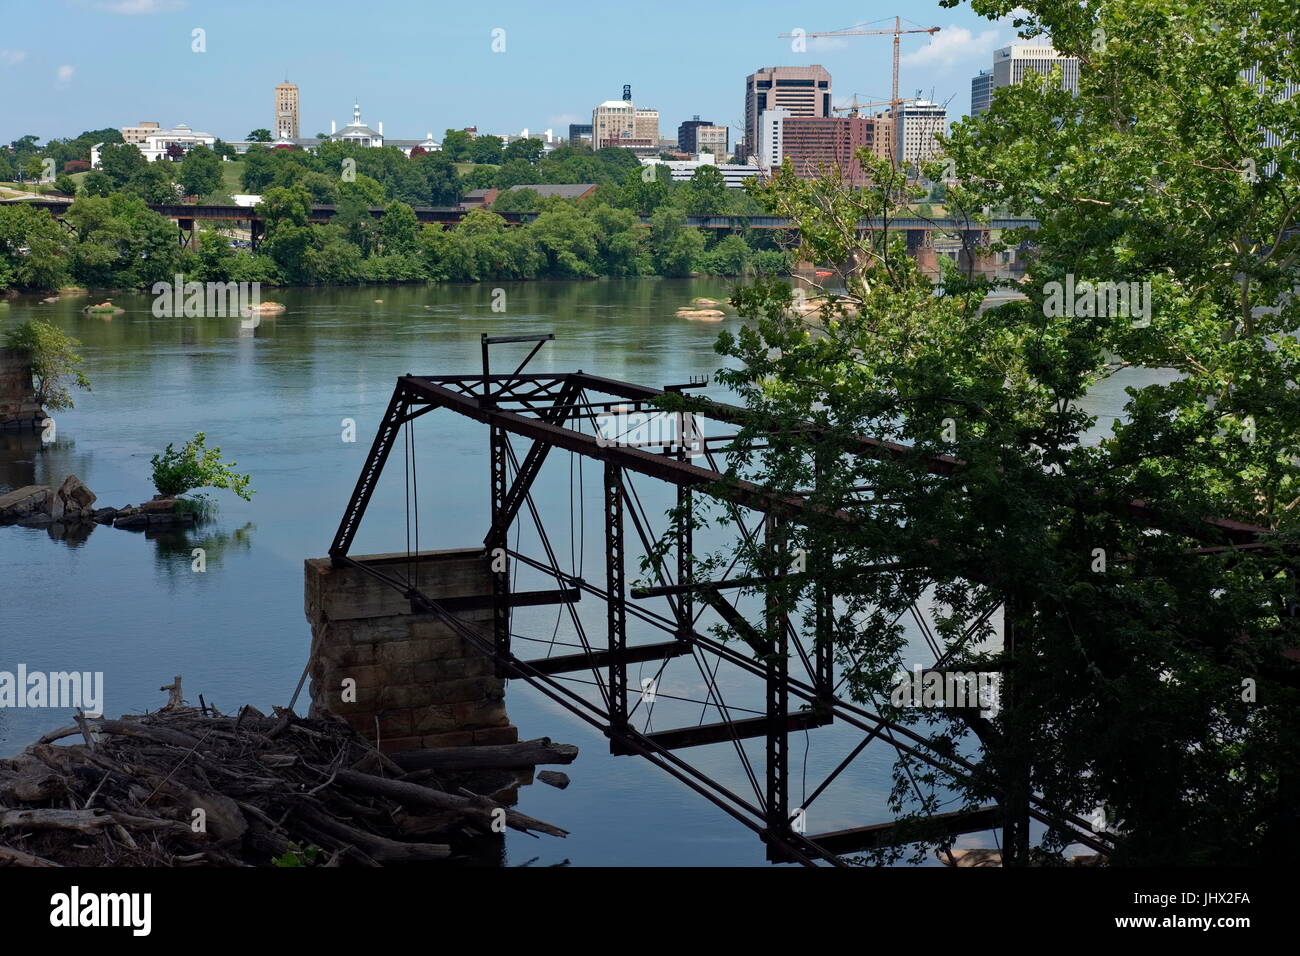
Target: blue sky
x,y
420,66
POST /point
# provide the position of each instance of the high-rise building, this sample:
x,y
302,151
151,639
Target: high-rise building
x,y
697,135
919,125
802,90
815,145
712,139
286,111
1011,63
620,123
981,92
686,133
612,122
646,125
578,132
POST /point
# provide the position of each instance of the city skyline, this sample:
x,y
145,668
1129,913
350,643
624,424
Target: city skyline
x,y
81,81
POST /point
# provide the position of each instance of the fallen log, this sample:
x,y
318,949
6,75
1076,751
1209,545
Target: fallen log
x,y
526,753
414,795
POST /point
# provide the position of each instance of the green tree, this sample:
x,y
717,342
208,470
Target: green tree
x,y
288,237
56,364
120,162
568,240
486,149
675,248
153,183
32,248
214,260
66,185
200,172
259,136
400,229
259,169
706,194
528,150
96,183
1124,680
456,144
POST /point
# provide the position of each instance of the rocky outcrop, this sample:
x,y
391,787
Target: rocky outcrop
x,y
24,502
73,499
36,506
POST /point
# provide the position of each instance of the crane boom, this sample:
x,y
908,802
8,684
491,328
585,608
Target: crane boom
x,y
897,32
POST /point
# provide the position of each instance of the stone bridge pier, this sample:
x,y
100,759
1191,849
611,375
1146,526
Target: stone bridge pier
x,y
398,676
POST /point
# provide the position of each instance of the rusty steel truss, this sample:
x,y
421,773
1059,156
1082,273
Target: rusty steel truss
x,y
557,412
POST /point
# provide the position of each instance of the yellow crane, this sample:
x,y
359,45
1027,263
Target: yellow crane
x,y
897,32
855,107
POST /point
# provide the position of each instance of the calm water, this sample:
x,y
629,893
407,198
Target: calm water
x,y
273,399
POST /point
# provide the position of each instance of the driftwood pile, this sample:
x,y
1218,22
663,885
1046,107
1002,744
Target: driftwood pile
x,y
190,787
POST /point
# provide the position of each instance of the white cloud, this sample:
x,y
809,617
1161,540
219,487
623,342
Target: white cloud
x,y
561,121
63,76
953,45
131,8
12,57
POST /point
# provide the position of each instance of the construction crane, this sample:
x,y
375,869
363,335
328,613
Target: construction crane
x,y
855,107
897,32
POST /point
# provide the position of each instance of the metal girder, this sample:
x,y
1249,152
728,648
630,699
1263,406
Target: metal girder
x,y
496,549
515,599
385,438
552,400
859,839
616,616
565,663
725,731
528,470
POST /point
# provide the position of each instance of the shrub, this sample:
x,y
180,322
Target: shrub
x,y
196,466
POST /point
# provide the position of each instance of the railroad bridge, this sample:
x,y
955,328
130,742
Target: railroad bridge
x,y
920,232
673,621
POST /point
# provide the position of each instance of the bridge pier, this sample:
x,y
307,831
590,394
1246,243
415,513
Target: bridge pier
x,y
975,256
191,240
402,675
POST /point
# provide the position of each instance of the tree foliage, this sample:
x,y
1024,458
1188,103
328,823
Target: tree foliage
x,y
56,364
196,466
1146,675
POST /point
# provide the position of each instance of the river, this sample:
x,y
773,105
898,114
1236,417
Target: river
x,y
274,399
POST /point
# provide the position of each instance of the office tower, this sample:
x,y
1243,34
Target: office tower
x,y
802,90
920,123
286,111
1011,63
981,92
696,135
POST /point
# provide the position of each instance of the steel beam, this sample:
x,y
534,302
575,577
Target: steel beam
x,y
726,731
385,438
567,663
496,548
616,616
